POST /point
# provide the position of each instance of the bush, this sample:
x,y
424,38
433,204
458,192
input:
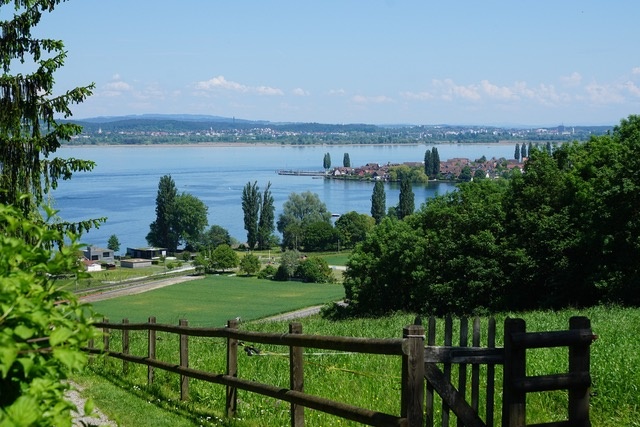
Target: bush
x,y
316,270
268,272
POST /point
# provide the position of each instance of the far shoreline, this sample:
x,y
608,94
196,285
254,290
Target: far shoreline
x,y
277,144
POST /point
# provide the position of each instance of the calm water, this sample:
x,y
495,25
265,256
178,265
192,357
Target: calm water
x,y
124,184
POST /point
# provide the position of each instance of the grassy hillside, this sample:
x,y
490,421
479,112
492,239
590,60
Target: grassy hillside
x,y
373,381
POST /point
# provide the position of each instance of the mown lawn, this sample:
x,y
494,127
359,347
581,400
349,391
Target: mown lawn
x,y
213,300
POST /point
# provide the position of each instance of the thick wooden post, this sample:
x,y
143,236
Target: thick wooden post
x,y
579,362
491,373
296,376
515,364
125,346
232,370
184,362
413,374
151,353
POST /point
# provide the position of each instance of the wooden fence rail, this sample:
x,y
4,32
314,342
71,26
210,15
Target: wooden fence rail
x,y
422,365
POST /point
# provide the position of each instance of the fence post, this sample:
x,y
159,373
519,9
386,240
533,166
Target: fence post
x,y
232,370
125,346
515,364
184,362
579,361
413,374
296,376
91,358
105,339
431,340
151,353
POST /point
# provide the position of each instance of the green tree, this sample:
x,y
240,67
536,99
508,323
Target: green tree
x,y
162,231
250,264
113,243
298,212
251,199
214,237
428,164
289,262
516,154
320,236
479,174
326,162
43,326
435,163
266,223
406,205
378,202
346,161
523,151
29,132
315,270
465,174
223,258
353,227
190,220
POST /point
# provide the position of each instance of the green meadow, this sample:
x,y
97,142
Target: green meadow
x,y
213,300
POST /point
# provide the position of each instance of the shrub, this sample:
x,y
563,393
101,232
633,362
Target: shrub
x,y
316,270
268,272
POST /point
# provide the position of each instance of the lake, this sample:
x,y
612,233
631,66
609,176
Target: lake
x,y
124,184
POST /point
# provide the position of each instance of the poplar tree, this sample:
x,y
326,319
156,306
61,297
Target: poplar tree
x,y
427,163
326,163
435,162
378,202
523,151
266,223
251,199
406,205
516,154
346,161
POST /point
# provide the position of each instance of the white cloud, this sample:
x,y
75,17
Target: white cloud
x,y
574,79
632,88
419,96
494,91
220,83
300,92
603,94
635,70
337,92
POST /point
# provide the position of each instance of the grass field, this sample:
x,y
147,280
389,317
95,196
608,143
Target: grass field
x,y
213,300
367,380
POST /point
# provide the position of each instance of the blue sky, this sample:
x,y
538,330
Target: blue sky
x,y
543,62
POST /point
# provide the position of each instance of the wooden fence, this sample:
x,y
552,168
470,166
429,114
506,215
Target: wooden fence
x,y
422,378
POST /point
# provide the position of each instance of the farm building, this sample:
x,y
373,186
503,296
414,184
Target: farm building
x,y
94,253
135,263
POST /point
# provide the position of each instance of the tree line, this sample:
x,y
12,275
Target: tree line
x,y
562,234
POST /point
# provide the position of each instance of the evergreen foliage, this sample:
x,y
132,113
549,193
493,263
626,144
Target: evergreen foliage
x,y
113,243
516,154
346,160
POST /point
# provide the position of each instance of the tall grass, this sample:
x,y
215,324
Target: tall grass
x,y
374,381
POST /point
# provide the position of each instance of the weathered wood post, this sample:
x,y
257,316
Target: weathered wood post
x,y
184,361
125,346
431,341
462,367
446,369
412,396
151,353
579,363
105,338
296,376
491,372
515,365
232,370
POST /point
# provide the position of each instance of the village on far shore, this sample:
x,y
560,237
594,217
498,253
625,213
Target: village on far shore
x,y
456,169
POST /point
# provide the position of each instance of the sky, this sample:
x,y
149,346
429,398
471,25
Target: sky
x,y
466,62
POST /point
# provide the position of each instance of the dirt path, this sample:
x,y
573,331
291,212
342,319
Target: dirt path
x,y
137,289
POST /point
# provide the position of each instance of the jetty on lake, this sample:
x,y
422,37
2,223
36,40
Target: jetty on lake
x,y
301,172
